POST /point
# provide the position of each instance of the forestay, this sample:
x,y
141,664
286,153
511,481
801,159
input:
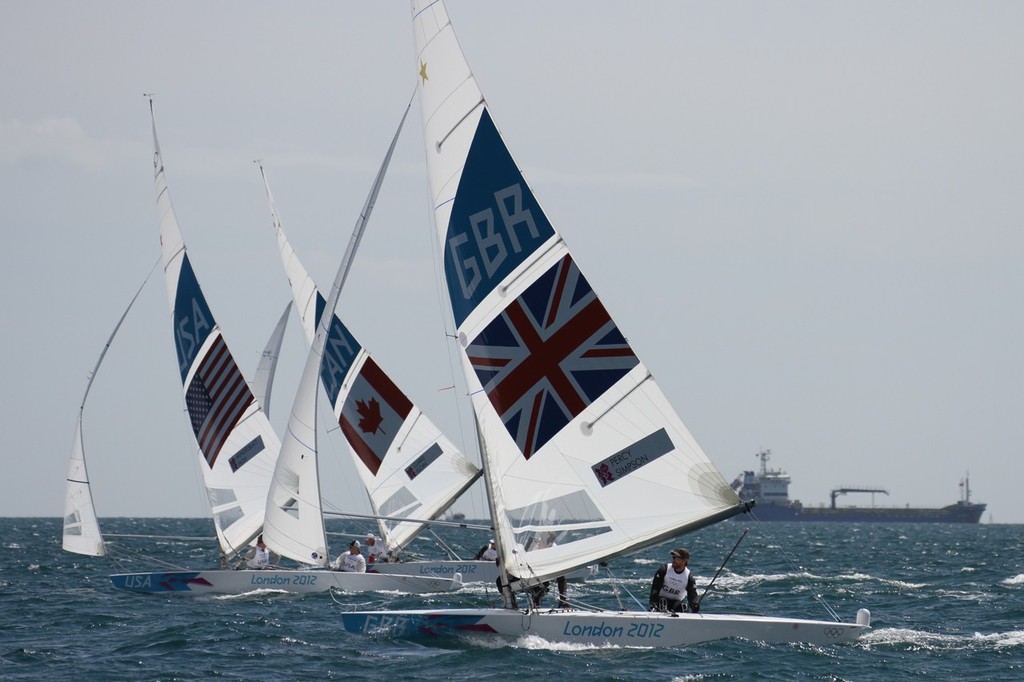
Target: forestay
x,y
581,446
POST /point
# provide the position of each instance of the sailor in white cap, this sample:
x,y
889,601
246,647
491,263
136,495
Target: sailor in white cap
x,y
351,561
488,552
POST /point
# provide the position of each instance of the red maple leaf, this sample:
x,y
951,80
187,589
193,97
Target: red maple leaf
x,y
369,414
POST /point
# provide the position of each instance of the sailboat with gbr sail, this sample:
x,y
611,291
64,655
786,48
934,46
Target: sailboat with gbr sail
x,y
574,430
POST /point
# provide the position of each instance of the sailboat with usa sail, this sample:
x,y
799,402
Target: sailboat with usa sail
x,y
239,453
574,429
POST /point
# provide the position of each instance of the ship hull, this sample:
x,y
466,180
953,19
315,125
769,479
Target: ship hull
x,y
955,513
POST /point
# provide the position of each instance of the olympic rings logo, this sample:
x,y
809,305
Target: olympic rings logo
x,y
834,632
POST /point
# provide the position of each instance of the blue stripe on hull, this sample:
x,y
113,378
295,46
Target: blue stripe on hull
x,y
176,581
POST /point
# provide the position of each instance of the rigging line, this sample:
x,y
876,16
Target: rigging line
x,y
797,570
162,537
617,582
425,522
724,562
452,554
110,339
451,351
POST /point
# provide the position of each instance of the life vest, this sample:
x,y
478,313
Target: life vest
x,y
674,586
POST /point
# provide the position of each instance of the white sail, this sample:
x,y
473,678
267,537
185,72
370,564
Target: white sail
x,y
237,446
263,384
579,441
584,458
409,468
294,522
82,533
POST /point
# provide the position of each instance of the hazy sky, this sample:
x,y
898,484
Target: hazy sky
x,y
806,216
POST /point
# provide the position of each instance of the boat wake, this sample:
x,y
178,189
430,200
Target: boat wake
x,y
535,643
919,640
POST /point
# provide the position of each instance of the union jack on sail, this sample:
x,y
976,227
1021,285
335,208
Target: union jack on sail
x,y
548,355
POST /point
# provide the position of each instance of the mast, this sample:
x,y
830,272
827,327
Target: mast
x,y
295,525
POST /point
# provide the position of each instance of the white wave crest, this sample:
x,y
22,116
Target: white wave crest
x,y
920,640
535,643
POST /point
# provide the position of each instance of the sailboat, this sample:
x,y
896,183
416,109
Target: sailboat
x,y
238,448
294,523
411,472
82,534
577,438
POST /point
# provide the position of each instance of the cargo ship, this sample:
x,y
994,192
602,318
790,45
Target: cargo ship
x,y
769,488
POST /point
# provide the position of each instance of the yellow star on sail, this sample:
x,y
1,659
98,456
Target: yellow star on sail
x,y
423,72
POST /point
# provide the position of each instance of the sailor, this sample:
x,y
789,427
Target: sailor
x,y
488,552
261,555
375,551
672,582
351,561
543,542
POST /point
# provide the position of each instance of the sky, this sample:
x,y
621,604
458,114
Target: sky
x,y
805,216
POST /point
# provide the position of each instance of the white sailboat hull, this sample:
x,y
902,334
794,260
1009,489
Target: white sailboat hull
x,y
471,571
601,628
297,581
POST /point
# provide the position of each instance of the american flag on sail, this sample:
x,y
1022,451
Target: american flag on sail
x,y
548,355
216,399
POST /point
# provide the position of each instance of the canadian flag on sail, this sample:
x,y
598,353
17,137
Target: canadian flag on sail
x,y
374,411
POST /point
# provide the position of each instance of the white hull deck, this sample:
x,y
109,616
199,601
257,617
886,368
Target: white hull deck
x,y
601,628
298,581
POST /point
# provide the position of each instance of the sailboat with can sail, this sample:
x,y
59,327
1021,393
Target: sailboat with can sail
x,y
411,472
574,429
295,517
238,448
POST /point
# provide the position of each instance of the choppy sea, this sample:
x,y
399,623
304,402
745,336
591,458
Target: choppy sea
x,y
947,603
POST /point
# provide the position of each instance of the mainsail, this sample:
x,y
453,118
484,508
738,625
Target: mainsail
x,y
294,513
237,446
409,468
585,459
82,533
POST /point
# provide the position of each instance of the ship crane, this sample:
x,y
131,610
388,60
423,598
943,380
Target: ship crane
x,y
836,492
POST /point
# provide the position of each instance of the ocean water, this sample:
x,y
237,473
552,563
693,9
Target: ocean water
x,y
947,603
